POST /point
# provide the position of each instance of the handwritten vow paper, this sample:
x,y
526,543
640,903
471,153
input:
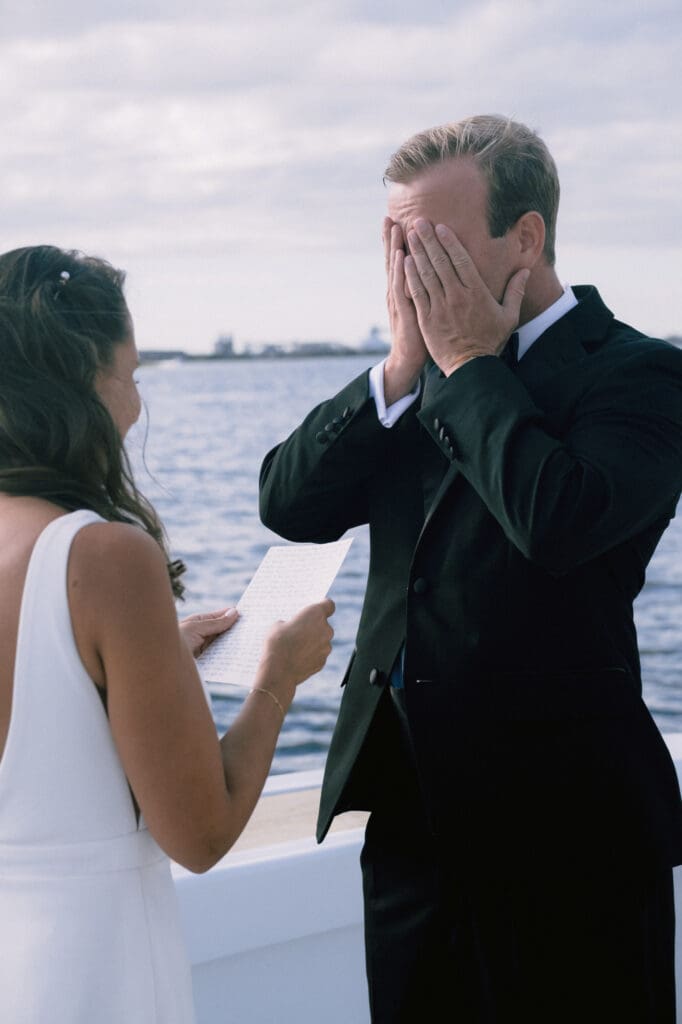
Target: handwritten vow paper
x,y
288,579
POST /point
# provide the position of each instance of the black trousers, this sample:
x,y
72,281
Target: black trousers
x,y
445,945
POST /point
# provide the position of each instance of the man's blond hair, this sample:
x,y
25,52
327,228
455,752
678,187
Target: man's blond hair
x,y
516,163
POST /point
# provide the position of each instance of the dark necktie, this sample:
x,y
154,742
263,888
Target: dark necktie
x,y
510,352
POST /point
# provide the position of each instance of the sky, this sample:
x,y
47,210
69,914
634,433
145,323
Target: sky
x,y
229,155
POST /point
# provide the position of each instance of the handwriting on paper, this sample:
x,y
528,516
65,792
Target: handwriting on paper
x,y
289,578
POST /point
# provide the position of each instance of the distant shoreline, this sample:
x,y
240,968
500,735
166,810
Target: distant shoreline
x,y
148,356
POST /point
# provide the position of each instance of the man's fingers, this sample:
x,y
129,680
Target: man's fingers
x,y
423,239
459,257
419,294
392,238
398,277
386,239
513,295
427,273
402,294
395,245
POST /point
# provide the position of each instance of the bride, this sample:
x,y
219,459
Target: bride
x,y
110,764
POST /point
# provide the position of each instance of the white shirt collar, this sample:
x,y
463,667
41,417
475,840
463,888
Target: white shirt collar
x,y
531,331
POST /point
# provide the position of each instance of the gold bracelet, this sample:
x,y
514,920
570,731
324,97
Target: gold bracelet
x,y
261,689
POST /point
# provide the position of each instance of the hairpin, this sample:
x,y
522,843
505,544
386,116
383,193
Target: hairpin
x,y
64,277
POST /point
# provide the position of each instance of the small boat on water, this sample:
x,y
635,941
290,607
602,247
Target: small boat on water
x,y
274,931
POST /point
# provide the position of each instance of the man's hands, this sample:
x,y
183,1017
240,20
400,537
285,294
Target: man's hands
x,y
457,315
408,352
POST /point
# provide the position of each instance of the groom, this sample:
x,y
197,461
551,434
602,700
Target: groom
x,y
525,812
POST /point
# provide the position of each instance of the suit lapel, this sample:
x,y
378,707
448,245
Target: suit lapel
x,y
446,483
568,341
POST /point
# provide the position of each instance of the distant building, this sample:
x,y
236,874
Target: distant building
x,y
318,348
270,349
224,346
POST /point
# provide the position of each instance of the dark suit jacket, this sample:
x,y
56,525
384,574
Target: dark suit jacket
x,y
512,516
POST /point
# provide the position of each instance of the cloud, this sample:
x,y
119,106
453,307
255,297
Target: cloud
x,y
162,132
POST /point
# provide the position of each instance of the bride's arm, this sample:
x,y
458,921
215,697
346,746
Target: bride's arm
x,y
196,793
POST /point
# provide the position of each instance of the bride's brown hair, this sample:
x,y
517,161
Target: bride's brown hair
x,y
62,314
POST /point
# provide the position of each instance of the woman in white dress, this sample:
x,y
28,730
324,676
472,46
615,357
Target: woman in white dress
x,y
102,712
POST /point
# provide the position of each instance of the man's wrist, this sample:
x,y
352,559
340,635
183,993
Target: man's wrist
x,y
400,378
455,364
388,416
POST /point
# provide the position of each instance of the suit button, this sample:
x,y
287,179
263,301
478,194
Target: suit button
x,y
330,428
441,433
321,437
346,412
436,424
420,585
376,677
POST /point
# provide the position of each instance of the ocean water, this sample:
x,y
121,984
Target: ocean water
x,y
208,427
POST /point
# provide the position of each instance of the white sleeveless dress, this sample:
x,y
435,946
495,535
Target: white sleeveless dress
x,y
89,925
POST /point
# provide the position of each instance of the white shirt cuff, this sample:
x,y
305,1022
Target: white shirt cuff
x,y
389,416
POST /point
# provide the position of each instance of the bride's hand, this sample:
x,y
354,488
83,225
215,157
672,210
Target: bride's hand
x,y
299,648
200,630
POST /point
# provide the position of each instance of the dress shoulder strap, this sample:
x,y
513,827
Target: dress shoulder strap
x,y
44,604
59,747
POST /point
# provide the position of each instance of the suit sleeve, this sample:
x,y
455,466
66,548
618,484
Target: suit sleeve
x,y
314,486
563,500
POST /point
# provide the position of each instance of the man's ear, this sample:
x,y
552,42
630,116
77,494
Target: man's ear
x,y
530,234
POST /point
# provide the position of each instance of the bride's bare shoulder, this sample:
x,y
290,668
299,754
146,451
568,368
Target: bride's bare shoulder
x,y
115,553
118,585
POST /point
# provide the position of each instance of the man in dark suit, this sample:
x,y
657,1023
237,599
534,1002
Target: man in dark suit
x,y
525,812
